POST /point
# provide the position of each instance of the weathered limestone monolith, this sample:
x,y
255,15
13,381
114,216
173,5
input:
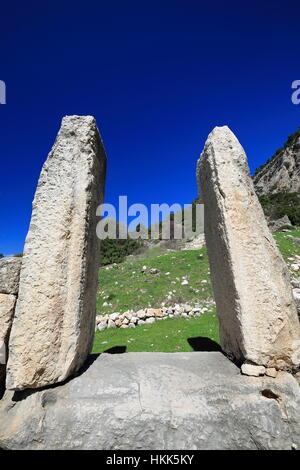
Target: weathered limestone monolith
x,y
9,286
54,321
257,313
7,307
9,274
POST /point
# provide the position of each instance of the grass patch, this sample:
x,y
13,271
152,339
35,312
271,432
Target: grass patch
x,y
127,288
285,243
169,335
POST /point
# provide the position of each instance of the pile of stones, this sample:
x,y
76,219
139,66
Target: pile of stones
x,y
131,319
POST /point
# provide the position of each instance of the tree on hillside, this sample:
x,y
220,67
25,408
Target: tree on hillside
x,y
115,250
277,205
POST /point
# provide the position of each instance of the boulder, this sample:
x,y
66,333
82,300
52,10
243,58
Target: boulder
x,y
7,308
155,312
295,267
257,313
102,326
54,323
114,316
196,400
141,314
150,312
271,372
279,224
2,352
296,295
9,275
252,370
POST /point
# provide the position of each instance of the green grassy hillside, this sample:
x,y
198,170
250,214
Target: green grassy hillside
x,y
126,287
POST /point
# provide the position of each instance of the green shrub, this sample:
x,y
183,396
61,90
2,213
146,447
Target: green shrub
x,y
277,205
115,251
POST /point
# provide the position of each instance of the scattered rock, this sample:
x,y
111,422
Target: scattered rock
x,y
111,324
271,372
114,316
128,315
297,376
296,294
141,314
295,283
280,224
255,371
195,244
154,271
150,312
102,326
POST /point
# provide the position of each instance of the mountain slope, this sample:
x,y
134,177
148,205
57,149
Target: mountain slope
x,y
281,173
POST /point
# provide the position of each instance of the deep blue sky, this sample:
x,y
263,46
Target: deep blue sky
x,y
158,76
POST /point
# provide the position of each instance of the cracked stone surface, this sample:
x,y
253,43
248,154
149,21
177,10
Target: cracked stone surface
x,y
196,400
9,275
7,308
54,322
251,282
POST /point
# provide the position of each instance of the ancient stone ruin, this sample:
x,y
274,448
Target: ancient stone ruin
x,y
54,321
9,286
253,294
197,400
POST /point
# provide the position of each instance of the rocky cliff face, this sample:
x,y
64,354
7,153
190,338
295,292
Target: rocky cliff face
x,y
282,171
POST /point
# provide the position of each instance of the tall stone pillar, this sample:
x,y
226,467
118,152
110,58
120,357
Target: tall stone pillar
x,y
54,322
255,306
